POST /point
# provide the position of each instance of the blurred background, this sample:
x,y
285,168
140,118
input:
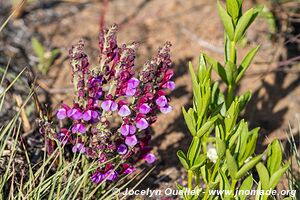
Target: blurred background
x,y
40,33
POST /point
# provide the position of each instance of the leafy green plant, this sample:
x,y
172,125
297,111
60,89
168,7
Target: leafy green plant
x,y
222,152
46,58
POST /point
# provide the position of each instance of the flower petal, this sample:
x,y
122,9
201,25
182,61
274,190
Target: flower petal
x,y
142,124
150,158
124,111
144,108
131,140
161,101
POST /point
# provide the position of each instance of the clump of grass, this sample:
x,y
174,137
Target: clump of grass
x,y
293,173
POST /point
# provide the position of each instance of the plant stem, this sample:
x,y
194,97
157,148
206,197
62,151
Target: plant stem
x,y
216,167
206,193
232,52
233,187
230,94
190,179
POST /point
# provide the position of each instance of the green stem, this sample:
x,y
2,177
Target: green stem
x,y
230,95
206,193
233,188
190,179
211,179
232,52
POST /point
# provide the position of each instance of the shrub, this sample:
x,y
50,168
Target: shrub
x,y
222,152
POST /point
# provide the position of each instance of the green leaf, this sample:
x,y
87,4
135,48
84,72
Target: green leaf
x,y
217,67
251,144
231,72
263,176
246,186
180,187
189,122
38,48
233,9
226,20
276,177
274,156
231,164
199,161
243,23
205,173
246,62
221,147
194,150
206,127
231,117
248,166
183,159
201,69
244,100
224,182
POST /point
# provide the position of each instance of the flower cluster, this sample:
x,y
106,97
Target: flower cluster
x,y
113,107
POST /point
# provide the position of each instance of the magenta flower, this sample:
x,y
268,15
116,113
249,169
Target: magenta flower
x,y
133,83
142,124
109,105
74,113
170,85
89,114
124,111
78,148
130,91
150,158
144,108
61,113
161,101
78,128
97,177
131,140
92,119
166,109
111,175
128,169
122,149
127,129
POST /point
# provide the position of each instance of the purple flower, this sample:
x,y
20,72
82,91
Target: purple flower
x,y
78,148
109,105
111,175
89,114
127,129
130,91
166,109
133,83
150,158
74,113
142,123
131,140
161,101
61,113
97,177
122,149
129,170
170,85
78,128
144,108
124,111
